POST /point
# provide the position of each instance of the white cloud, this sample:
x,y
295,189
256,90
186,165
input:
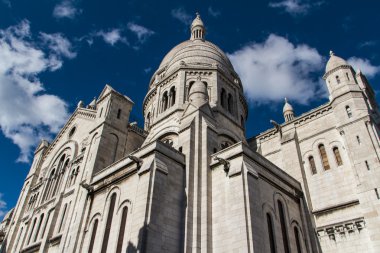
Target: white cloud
x,y
3,207
295,7
112,36
27,112
141,32
364,65
65,9
182,15
58,44
277,68
213,12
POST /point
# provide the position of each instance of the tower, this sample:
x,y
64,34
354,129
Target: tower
x,y
288,111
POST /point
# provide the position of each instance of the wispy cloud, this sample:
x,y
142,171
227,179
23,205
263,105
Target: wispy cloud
x,y
365,66
7,3
66,9
58,44
112,36
182,16
368,43
213,12
27,112
295,7
141,32
277,68
3,207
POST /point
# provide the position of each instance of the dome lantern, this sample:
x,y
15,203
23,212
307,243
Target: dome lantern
x,y
288,111
198,30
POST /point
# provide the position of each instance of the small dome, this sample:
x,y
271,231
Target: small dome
x,y
334,62
198,92
197,21
287,107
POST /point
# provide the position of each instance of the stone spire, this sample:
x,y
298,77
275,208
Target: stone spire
x,y
198,30
288,111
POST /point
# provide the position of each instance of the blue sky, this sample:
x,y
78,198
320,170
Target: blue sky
x,y
55,53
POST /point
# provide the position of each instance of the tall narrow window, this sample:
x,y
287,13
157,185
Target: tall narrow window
x,y
63,218
241,121
325,160
147,121
93,235
123,224
349,112
31,231
118,113
272,244
338,158
358,139
38,227
108,223
45,225
49,185
348,77
312,165
165,101
298,241
377,193
337,79
223,98
101,112
172,96
367,165
283,227
230,103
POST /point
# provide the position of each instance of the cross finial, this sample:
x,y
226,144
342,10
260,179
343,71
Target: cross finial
x,y
286,100
198,15
331,53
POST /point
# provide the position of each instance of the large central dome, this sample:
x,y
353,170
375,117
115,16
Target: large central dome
x,y
193,52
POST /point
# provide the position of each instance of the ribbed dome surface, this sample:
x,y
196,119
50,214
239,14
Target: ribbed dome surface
x,y
287,107
195,52
334,62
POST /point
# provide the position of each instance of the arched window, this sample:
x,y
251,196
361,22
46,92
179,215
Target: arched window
x,y
93,236
338,158
108,223
172,96
223,98
298,241
337,79
38,227
31,230
283,227
349,112
230,103
271,235
49,185
61,171
147,121
123,224
312,165
325,160
165,101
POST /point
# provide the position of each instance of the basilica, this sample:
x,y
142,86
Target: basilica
x,y
190,180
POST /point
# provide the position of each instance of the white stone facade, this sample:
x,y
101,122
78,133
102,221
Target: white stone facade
x,y
343,197
191,182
